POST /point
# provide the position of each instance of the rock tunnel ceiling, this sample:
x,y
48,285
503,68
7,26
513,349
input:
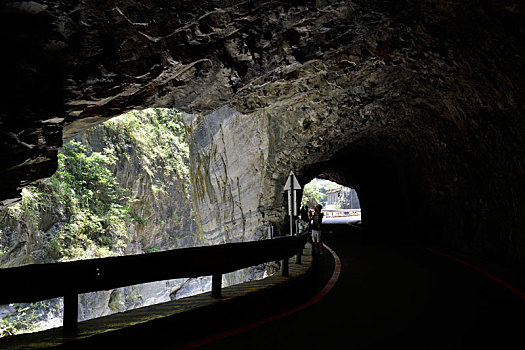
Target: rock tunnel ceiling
x,y
419,104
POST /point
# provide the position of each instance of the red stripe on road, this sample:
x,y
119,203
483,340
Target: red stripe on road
x,y
500,281
326,289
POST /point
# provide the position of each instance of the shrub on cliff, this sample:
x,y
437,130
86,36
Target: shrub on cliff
x,y
121,187
95,207
83,211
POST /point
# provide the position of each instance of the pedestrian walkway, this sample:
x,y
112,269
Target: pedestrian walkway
x,y
140,327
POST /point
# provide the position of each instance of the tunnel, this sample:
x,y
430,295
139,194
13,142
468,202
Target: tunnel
x,y
381,178
418,105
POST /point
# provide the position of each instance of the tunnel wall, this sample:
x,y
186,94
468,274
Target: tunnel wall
x,y
430,93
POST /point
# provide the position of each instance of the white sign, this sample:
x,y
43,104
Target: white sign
x,y
292,180
291,186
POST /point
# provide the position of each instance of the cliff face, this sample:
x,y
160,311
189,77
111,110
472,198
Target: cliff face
x,y
149,173
145,155
421,101
152,162
416,106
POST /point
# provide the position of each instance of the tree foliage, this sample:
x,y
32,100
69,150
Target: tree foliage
x,y
311,194
93,209
82,211
91,212
314,192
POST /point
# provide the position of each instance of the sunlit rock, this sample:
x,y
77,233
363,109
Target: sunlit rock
x,y
416,104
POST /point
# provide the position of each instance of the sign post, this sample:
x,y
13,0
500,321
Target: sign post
x,y
292,186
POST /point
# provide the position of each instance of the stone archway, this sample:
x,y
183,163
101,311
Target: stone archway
x,y
429,94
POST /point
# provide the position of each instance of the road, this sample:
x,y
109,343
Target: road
x,y
390,296
342,220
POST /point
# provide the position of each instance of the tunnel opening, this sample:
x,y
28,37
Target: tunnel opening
x,y
388,180
457,96
122,188
335,199
114,181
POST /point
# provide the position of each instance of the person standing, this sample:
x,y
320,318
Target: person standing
x,y
317,219
310,217
304,213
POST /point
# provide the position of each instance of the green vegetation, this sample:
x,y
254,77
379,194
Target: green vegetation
x,y
91,207
315,192
95,206
90,210
159,139
311,194
155,140
26,318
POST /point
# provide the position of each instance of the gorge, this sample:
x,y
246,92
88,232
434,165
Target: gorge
x,y
121,188
418,105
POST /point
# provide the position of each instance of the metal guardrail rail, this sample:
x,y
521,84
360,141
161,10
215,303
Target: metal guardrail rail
x,y
339,212
38,282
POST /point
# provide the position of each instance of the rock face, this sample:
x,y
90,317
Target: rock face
x,y
156,176
150,168
162,200
414,103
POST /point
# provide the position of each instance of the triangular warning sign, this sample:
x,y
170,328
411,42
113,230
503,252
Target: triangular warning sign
x,y
288,185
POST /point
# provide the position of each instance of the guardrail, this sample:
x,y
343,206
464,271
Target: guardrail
x,y
333,213
38,282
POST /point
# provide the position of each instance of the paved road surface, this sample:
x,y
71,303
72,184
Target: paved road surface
x,y
390,297
343,220
386,297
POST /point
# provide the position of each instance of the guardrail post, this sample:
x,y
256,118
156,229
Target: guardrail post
x,y
298,257
70,314
284,268
216,285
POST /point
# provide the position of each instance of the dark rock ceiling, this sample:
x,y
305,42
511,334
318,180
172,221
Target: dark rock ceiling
x,y
438,84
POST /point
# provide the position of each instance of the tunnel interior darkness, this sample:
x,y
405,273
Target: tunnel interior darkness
x,y
387,183
437,86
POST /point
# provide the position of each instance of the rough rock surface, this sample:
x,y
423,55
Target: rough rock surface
x,y
160,201
160,193
160,198
421,101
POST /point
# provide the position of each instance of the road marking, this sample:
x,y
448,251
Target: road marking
x,y
498,280
322,293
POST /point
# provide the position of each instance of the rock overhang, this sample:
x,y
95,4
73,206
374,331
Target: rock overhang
x,y
424,97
